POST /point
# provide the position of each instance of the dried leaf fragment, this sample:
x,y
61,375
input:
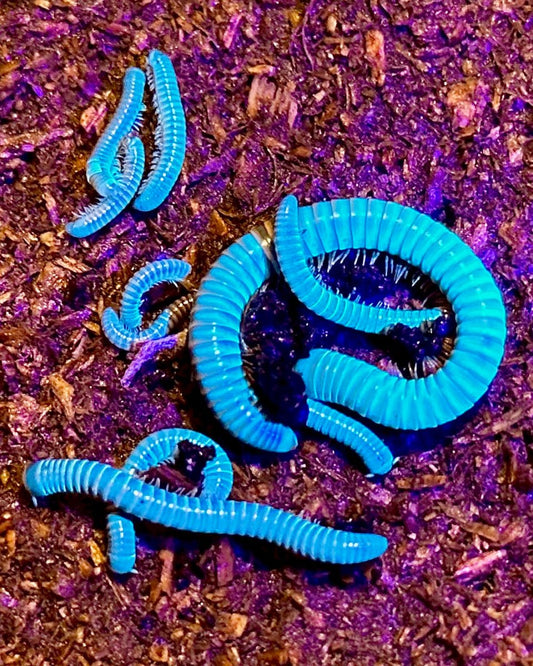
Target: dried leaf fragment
x,y
97,556
467,99
261,91
63,392
231,30
217,224
232,625
424,481
375,54
24,414
268,70
93,118
11,542
481,565
331,24
159,653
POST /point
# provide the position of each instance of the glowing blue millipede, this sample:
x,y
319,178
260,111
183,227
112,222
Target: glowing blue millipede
x,y
331,377
439,253
115,167
210,512
102,169
170,134
162,447
123,330
215,341
97,216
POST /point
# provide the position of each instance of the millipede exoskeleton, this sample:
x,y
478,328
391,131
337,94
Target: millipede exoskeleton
x,y
200,514
340,427
180,310
170,136
97,216
342,224
215,340
124,338
103,169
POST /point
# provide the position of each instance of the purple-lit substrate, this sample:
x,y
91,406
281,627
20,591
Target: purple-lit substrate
x,y
448,133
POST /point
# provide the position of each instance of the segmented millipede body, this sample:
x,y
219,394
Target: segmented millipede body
x,y
96,217
122,548
123,330
200,514
157,448
170,134
124,338
156,272
340,427
180,310
215,341
162,446
417,239
102,168
342,224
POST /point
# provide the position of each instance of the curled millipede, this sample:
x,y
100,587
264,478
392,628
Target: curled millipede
x,y
157,448
154,273
124,330
476,302
302,233
215,341
124,338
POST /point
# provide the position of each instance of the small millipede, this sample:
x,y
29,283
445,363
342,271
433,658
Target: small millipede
x,y
125,338
102,169
97,216
157,448
170,136
123,330
340,427
144,501
156,272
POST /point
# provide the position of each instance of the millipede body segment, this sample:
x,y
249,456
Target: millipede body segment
x,y
97,216
215,340
157,448
123,330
